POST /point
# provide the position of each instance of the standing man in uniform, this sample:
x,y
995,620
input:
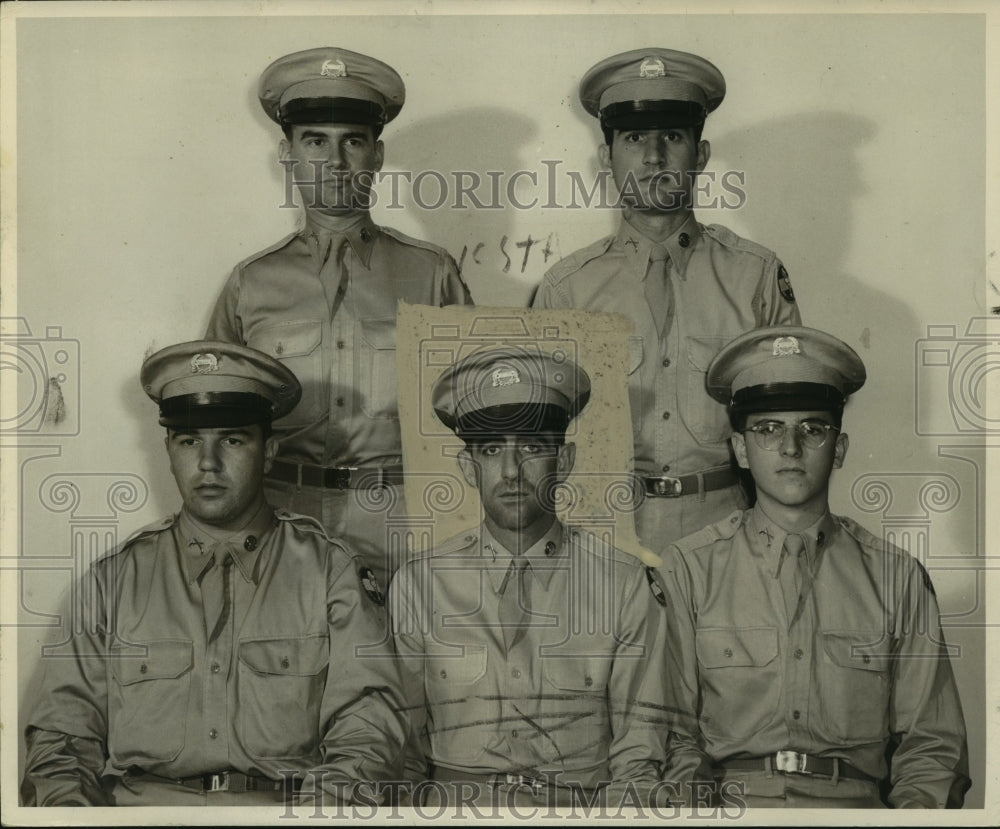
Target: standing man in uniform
x,y
530,647
323,300
687,288
804,651
227,647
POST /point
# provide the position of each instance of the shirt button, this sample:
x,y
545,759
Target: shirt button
x,y
216,667
514,733
340,343
866,659
684,240
666,362
340,401
666,415
728,651
796,715
213,733
666,467
799,653
143,668
515,673
285,663
588,681
444,674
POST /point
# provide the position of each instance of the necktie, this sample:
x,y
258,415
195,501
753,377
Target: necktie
x,y
658,287
515,602
792,572
216,591
333,273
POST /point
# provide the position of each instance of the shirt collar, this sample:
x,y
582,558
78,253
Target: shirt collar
x,y
550,546
767,537
679,246
200,543
360,232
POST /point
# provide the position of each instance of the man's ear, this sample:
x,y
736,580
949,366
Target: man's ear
x,y
379,155
565,459
604,156
740,449
270,452
284,149
840,451
704,154
468,467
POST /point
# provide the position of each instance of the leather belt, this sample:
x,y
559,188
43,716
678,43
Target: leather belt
x,y
336,477
225,781
791,762
444,775
664,486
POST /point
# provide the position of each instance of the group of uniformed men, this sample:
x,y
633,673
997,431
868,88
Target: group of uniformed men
x,y
247,650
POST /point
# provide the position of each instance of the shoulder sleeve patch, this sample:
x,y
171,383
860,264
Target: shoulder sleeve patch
x,y
785,285
370,586
656,586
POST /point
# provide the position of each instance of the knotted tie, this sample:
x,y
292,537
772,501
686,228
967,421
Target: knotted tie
x,y
792,574
658,291
332,274
216,590
515,602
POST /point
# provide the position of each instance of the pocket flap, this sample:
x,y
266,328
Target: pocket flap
x,y
577,674
864,650
379,333
142,661
702,350
290,339
635,354
467,665
305,656
736,647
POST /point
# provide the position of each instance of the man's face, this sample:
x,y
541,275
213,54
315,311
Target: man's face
x,y
792,475
334,165
653,169
220,472
515,476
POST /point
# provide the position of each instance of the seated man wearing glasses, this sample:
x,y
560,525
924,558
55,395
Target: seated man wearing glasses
x,y
806,655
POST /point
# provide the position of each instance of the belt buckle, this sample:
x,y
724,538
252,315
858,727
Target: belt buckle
x,y
338,477
216,782
536,786
663,486
791,761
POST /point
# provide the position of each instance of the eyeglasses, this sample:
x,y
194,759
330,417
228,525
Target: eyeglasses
x,y
770,434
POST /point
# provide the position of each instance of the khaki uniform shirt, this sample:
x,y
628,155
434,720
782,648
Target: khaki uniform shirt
x,y
580,695
277,302
722,286
280,688
863,664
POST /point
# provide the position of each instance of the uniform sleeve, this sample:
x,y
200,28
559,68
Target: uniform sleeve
x,y
687,763
637,688
225,323
407,634
453,289
363,715
930,767
66,733
774,302
545,295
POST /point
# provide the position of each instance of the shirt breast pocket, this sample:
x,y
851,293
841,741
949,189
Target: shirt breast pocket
x,y
578,717
738,675
281,684
377,369
462,723
855,683
298,346
705,417
148,703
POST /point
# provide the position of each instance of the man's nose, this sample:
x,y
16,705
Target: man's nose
x,y
655,150
208,459
791,442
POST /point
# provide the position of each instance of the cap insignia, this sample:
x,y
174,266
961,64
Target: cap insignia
x,y
333,69
204,364
505,377
785,347
652,68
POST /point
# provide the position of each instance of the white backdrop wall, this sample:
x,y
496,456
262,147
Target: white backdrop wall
x,y
145,169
